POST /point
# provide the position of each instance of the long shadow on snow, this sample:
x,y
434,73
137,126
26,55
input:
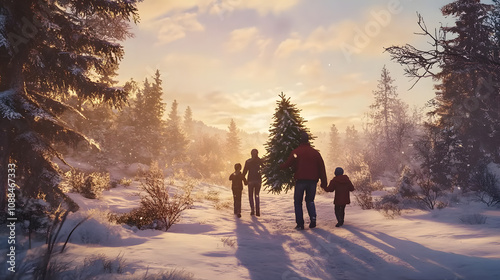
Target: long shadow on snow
x,y
335,257
428,263
261,252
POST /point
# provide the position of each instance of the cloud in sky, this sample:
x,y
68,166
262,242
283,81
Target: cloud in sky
x,y
242,38
263,7
177,27
232,58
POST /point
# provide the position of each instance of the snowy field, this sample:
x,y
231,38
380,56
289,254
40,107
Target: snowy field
x,y
210,243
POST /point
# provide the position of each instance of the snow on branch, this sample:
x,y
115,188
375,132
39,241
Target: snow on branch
x,y
6,109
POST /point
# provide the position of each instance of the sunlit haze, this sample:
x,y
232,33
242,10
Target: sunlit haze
x,y
230,59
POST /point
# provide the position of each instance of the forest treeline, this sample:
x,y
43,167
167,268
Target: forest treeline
x,y
150,130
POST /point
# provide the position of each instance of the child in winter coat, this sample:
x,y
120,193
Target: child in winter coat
x,y
238,180
341,185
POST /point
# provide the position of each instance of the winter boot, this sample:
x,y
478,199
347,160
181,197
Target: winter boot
x,y
313,223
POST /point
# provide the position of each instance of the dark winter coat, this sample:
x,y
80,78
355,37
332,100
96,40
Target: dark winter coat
x,y
238,180
307,164
252,166
341,185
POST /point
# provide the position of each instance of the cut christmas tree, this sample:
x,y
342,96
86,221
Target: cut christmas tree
x,y
284,137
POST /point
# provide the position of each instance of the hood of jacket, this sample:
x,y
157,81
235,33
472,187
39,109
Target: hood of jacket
x,y
341,179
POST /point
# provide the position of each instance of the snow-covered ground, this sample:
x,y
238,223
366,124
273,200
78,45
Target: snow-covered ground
x,y
211,243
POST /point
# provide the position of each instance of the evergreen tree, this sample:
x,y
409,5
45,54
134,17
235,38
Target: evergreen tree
x,y
140,127
284,137
127,139
49,52
175,139
207,159
352,142
383,108
188,121
149,111
388,127
99,125
233,144
458,106
465,109
335,151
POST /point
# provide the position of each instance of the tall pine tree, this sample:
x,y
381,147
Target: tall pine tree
x,y
384,107
233,144
352,141
149,111
50,51
335,149
284,137
175,139
463,104
126,147
465,61
386,128
140,126
188,122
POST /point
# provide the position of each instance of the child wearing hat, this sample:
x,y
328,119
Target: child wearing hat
x,y
238,179
341,185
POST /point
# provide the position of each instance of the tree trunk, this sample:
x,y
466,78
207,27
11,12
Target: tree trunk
x,y
7,82
4,162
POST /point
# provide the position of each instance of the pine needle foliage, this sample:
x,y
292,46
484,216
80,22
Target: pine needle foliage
x,y
50,51
284,137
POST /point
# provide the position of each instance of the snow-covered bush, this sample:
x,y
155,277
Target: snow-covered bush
x,y
96,229
122,182
389,206
46,265
75,179
363,185
90,186
420,187
485,186
473,219
60,267
138,217
224,204
125,182
56,269
34,215
95,184
158,208
228,241
96,265
364,200
442,204
429,191
218,202
212,195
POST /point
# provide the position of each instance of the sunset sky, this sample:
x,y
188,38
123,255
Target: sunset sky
x,y
230,59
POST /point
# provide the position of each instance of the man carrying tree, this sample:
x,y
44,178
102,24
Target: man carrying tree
x,y
308,167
